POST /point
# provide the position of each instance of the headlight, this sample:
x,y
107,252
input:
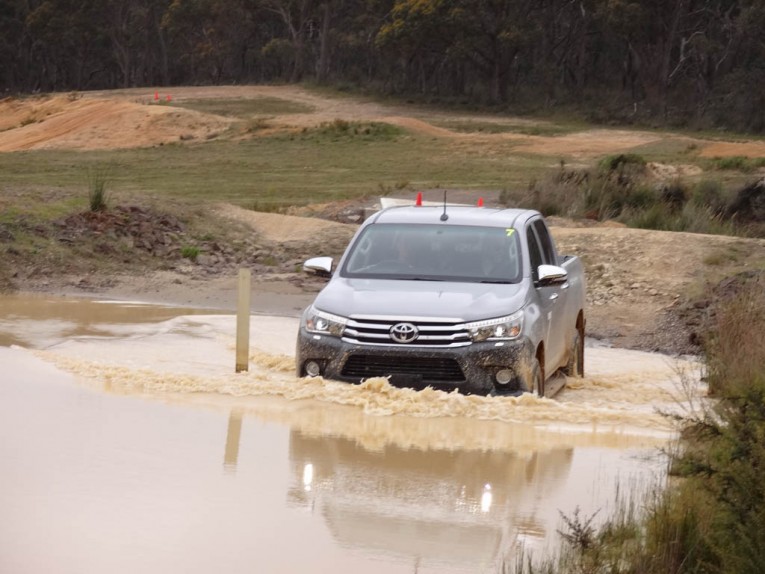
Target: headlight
x,y
325,323
501,328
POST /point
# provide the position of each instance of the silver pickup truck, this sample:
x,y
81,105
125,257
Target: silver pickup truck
x,y
468,298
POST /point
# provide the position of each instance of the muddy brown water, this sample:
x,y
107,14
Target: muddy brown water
x,y
128,444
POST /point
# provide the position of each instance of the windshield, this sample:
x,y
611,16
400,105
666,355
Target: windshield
x,y
435,253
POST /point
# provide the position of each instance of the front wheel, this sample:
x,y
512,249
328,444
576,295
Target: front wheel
x,y
534,381
575,365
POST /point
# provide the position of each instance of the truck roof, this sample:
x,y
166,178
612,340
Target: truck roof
x,y
458,215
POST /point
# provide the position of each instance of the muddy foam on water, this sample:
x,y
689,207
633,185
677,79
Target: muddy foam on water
x,y
627,392
140,349
377,397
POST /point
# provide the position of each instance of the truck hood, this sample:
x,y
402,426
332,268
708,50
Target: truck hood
x,y
437,299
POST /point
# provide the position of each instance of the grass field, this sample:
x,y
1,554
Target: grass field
x,y
313,166
245,108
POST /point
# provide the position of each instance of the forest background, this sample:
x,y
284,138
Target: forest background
x,y
679,63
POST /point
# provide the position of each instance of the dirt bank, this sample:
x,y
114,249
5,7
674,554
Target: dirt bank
x,y
144,117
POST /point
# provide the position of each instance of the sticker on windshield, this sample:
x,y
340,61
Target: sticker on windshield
x,y
509,231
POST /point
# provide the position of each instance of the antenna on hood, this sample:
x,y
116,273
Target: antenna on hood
x,y
444,216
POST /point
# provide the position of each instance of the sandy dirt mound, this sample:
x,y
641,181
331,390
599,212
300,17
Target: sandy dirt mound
x,y
91,123
664,171
132,118
588,143
276,227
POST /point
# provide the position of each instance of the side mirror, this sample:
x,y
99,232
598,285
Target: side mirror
x,y
321,266
552,275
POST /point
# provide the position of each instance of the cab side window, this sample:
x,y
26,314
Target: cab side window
x,y
535,254
548,251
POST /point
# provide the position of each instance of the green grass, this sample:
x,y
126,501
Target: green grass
x,y
190,252
245,108
41,204
671,150
299,168
499,127
738,163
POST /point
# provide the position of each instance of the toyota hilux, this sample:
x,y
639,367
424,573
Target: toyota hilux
x,y
473,299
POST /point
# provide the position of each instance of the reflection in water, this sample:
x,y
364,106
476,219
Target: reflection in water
x,y
435,506
233,434
105,476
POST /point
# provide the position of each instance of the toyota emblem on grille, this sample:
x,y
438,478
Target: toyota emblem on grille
x,y
403,332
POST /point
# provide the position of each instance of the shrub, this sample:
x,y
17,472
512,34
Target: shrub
x,y
726,461
691,218
657,216
639,197
622,160
549,197
708,193
674,194
190,252
738,162
749,203
341,130
266,206
714,519
609,199
695,219
505,197
97,194
737,351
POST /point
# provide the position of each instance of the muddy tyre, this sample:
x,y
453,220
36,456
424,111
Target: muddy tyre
x,y
575,365
535,383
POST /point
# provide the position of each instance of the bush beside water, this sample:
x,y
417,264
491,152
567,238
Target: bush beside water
x,y
711,518
620,189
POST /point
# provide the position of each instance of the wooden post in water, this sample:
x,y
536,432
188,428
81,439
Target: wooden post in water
x,y
243,322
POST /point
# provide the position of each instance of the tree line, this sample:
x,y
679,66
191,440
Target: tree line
x,y
671,62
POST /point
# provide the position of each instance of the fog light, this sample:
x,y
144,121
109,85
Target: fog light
x,y
312,369
504,376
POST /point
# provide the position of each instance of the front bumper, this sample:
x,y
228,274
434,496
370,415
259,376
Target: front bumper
x,y
470,369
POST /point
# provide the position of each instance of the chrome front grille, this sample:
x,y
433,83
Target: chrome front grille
x,y
430,333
